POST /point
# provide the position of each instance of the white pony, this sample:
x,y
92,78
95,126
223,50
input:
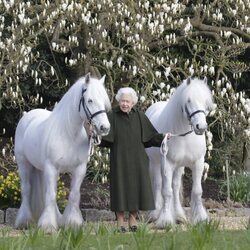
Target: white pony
x,y
184,115
48,143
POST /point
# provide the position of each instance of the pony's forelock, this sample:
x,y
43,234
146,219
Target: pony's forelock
x,y
71,99
96,87
197,89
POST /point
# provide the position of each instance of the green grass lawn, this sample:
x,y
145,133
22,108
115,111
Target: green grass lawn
x,y
102,236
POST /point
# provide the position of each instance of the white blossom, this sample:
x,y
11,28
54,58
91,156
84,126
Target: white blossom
x,y
155,93
191,70
206,169
212,113
188,27
158,74
142,99
211,70
134,70
223,168
167,72
119,61
162,85
228,33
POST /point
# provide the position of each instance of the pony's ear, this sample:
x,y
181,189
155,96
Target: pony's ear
x,y
87,78
103,79
188,80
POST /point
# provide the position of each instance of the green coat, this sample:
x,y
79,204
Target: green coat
x,y
130,184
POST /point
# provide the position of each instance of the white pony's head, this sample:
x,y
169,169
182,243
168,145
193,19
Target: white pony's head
x,y
197,102
94,103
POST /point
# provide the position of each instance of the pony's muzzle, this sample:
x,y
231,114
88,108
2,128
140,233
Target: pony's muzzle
x,y
104,130
200,130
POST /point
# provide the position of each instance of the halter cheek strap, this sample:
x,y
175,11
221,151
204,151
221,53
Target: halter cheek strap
x,y
94,138
97,113
86,109
82,100
194,113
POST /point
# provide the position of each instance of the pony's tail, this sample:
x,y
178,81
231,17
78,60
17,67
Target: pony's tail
x,y
37,193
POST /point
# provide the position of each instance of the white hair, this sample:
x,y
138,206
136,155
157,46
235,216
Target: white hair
x,y
127,91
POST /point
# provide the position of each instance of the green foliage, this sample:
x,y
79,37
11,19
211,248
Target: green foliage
x,y
239,185
74,238
98,170
229,146
62,194
104,237
103,229
45,46
10,191
202,234
101,196
143,238
10,194
7,159
32,236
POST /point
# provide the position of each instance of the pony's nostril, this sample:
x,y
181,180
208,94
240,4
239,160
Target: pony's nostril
x,y
104,129
200,128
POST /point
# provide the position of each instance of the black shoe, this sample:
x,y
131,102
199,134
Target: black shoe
x,y
133,228
122,229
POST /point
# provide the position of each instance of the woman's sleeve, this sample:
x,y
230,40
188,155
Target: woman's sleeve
x,y
150,136
155,141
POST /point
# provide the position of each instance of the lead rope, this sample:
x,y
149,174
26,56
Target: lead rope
x,y
94,139
164,149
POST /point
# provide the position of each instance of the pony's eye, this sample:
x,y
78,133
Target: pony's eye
x,y
90,101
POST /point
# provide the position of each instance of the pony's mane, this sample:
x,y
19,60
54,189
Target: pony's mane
x,y
195,90
97,90
66,111
71,99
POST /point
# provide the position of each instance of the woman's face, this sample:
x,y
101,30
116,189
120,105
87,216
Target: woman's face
x,y
126,103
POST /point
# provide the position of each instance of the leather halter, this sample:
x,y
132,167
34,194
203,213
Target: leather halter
x,y
194,113
189,118
89,115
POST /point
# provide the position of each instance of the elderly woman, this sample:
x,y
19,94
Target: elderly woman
x,y
130,184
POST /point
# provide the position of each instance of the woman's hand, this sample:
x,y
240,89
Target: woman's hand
x,y
168,136
89,128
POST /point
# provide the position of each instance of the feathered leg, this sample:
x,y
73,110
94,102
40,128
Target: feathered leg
x,y
24,215
177,194
197,209
166,216
48,220
72,216
156,179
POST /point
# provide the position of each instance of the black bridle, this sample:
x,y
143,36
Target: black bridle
x,y
89,115
189,118
194,113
